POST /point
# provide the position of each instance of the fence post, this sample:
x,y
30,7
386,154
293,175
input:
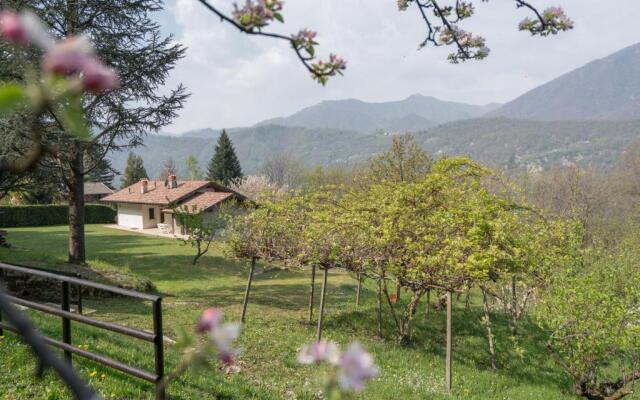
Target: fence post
x,y
1,283
66,323
323,299
158,344
448,372
79,288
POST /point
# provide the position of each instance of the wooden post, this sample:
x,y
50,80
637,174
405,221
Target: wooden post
x,y
248,290
313,290
379,310
322,302
66,323
428,305
359,289
158,348
449,344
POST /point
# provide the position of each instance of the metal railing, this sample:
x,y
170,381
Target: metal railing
x,y
156,337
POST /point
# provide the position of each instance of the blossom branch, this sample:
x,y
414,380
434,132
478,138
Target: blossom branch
x,y
442,21
251,18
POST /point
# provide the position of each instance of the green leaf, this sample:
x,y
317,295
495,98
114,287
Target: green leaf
x,y
279,17
73,118
12,96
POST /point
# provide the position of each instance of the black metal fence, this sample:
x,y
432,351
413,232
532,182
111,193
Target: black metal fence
x,y
64,312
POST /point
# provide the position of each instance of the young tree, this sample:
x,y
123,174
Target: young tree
x,y
405,161
193,167
202,229
224,167
283,170
168,168
134,171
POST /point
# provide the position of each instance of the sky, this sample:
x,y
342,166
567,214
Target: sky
x,y
239,80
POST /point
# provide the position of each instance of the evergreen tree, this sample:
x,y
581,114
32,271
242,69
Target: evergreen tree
x,y
224,167
134,171
99,169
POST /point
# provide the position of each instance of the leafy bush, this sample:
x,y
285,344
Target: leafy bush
x,y
52,214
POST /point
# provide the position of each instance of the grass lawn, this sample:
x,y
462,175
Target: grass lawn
x,y
275,330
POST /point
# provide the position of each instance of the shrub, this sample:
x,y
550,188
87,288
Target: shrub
x,y
52,214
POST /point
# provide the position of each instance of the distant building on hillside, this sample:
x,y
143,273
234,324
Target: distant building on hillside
x,y
146,204
94,191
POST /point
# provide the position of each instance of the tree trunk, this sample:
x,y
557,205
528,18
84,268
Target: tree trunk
x,y
248,290
323,296
77,253
359,289
398,291
514,307
487,324
313,289
427,305
379,308
448,369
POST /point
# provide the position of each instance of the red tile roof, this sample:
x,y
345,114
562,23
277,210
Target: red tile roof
x,y
156,193
203,201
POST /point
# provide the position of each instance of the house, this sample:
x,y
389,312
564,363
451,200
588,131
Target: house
x,y
94,191
148,204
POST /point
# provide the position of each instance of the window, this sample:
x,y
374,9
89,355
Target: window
x,y
152,213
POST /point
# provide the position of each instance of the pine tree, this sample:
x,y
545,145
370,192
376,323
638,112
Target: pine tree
x,y
224,167
98,169
134,171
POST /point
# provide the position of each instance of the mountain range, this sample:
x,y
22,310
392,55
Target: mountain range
x,y
586,117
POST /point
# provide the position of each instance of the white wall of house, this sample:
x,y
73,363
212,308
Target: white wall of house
x,y
130,215
138,216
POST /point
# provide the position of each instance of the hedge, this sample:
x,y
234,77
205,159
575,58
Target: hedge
x,y
52,214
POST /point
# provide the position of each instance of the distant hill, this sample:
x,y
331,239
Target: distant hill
x,y
608,88
416,112
533,144
254,145
495,141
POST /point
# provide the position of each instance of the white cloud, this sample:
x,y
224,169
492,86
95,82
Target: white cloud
x,y
239,80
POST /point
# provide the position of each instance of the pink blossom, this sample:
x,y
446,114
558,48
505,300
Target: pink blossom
x,y
318,352
221,336
12,29
356,367
97,78
210,319
23,29
68,56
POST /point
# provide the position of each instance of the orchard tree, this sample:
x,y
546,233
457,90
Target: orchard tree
x,y
592,309
224,167
268,232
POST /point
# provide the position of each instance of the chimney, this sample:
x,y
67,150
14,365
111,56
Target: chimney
x,y
144,186
173,182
